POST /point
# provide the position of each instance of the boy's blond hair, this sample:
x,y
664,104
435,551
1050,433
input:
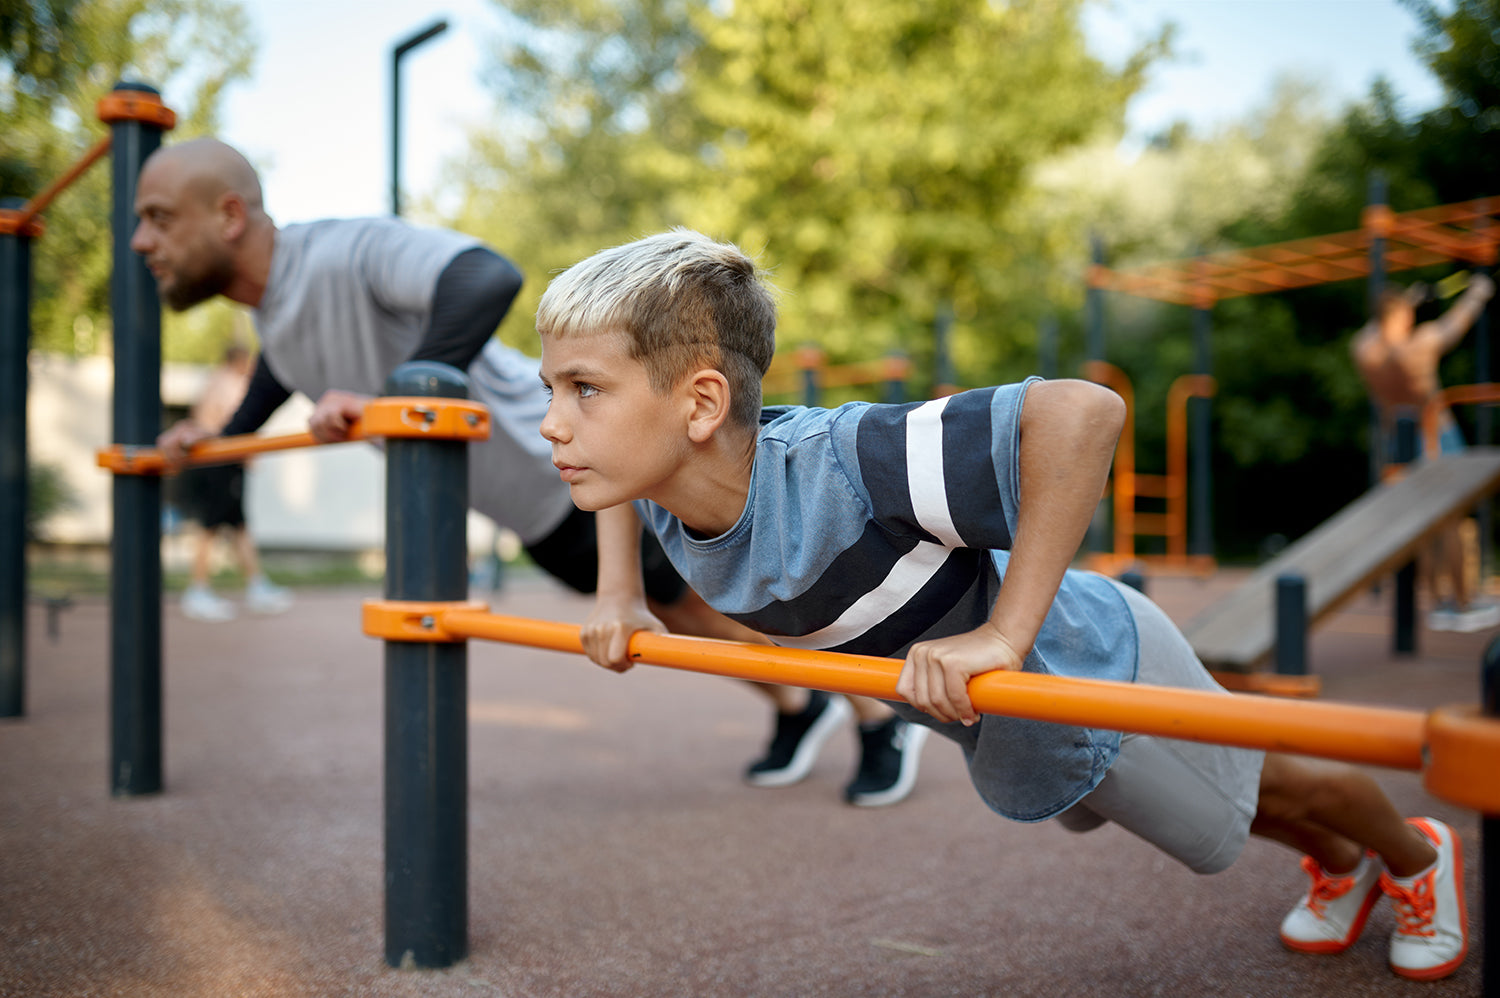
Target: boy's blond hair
x,y
684,301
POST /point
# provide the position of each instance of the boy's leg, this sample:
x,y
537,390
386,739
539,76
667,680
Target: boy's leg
x,y
1350,832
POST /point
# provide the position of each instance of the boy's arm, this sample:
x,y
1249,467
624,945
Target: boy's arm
x,y
620,603
1068,432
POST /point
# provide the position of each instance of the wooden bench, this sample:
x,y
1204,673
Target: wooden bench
x,y
1372,536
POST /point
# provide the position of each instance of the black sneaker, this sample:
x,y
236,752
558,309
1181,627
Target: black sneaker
x,y
798,740
887,764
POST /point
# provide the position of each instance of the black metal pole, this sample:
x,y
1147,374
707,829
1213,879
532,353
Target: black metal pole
x,y
15,341
1291,625
1484,427
135,544
1046,347
1202,537
1404,637
1099,539
1375,201
403,47
1489,832
426,691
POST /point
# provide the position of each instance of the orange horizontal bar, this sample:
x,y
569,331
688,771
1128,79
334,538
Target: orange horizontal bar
x,y
124,459
392,416
1373,735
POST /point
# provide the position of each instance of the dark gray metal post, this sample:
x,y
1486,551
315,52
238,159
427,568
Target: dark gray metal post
x,y
1099,539
1404,639
135,544
15,341
401,48
1134,579
894,391
1375,199
1291,625
810,391
426,691
1201,537
1489,832
943,376
1046,346
1484,430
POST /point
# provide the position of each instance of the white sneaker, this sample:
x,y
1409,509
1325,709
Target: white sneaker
x,y
265,597
1332,915
200,603
1432,934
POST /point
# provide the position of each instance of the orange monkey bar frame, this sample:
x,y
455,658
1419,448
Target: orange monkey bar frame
x,y
1459,750
1467,230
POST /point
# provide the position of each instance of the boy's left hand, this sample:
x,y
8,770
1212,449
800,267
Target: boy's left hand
x,y
935,678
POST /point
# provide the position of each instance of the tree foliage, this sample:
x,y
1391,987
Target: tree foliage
x,y
874,155
57,58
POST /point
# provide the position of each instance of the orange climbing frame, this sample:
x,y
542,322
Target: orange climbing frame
x,y
1432,412
1127,484
1458,749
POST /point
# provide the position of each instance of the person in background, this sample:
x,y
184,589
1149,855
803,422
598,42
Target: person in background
x,y
1398,357
216,500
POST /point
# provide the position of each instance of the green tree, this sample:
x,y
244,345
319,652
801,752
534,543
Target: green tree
x,y
57,58
874,156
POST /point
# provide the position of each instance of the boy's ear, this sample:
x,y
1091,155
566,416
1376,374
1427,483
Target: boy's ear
x,y
708,393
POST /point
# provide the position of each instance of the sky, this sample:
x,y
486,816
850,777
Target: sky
x,y
315,117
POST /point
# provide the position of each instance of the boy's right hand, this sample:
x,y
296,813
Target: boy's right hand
x,y
606,633
175,443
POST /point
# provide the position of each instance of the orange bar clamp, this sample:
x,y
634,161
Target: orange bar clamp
x,y
393,416
1459,749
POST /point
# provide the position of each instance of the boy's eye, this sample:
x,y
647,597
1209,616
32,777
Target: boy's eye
x,y
585,390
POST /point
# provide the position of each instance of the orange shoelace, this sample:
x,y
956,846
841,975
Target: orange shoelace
x,y
1325,887
1415,905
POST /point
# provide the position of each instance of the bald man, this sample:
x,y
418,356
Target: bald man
x,y
1398,359
339,304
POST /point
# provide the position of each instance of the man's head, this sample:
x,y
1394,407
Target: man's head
x,y
197,202
683,302
1396,307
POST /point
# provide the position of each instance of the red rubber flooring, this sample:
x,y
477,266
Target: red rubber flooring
x,y
613,849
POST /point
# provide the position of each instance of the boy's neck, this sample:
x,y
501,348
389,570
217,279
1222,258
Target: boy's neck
x,y
709,495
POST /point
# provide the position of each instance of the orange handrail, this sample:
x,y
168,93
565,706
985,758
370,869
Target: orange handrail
x,y
38,204
390,416
1382,736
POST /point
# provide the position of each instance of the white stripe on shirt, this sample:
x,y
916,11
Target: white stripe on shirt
x,y
905,579
924,472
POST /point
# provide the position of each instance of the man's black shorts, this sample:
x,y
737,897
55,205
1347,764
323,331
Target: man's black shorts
x,y
216,495
571,553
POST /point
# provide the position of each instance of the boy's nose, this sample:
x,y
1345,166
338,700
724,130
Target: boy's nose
x,y
552,427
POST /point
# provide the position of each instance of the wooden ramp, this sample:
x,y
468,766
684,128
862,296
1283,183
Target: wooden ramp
x,y
1372,536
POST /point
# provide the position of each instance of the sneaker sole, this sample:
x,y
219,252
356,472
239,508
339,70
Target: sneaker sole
x,y
1443,969
807,753
911,756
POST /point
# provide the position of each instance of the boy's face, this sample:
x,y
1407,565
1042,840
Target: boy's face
x,y
613,437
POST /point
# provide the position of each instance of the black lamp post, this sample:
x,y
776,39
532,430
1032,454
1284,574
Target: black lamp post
x,y
404,46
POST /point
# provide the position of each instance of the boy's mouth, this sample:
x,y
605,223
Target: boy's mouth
x,y
568,472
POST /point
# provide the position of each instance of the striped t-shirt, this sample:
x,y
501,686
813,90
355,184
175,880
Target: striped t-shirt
x,y
870,527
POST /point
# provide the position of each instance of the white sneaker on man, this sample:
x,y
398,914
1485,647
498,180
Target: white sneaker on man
x,y
201,603
265,597
1432,933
